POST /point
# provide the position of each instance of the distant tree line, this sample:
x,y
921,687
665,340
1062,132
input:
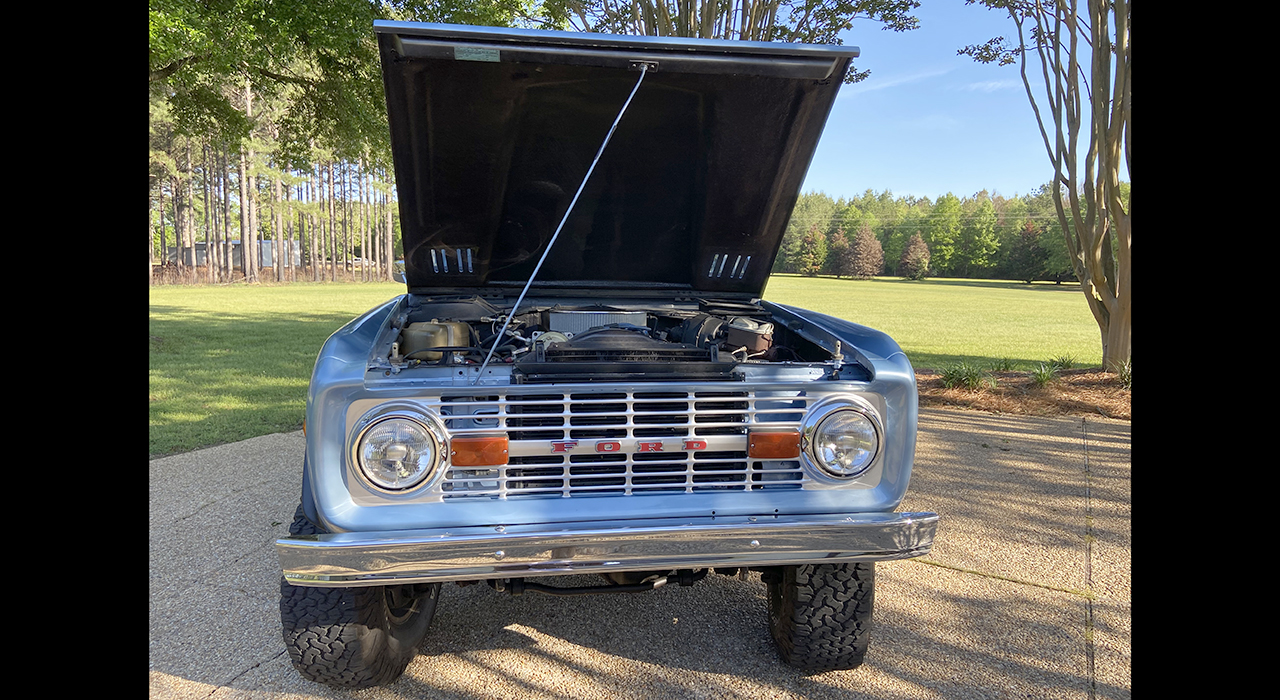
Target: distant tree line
x,y
982,236
219,208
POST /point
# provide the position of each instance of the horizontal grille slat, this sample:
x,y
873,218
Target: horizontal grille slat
x,y
535,422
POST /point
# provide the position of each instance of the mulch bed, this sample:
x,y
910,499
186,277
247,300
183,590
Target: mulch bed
x,y
1076,392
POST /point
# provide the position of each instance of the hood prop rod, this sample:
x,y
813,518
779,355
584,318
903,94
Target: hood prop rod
x,y
644,68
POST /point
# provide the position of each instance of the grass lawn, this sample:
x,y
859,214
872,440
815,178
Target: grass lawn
x,y
229,363
939,322
232,362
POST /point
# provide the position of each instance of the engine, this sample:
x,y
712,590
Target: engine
x,y
707,343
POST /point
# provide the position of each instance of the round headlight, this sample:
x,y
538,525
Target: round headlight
x,y
844,443
397,453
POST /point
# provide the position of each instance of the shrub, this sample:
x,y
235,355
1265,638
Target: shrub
x,y
966,376
1042,374
1063,362
1004,364
1126,374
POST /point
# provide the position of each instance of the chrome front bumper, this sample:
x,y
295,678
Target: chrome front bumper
x,y
477,553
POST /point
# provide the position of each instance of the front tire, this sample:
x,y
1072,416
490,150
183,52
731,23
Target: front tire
x,y
820,614
353,637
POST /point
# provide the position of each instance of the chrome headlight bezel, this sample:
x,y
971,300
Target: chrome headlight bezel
x,y
424,419
819,413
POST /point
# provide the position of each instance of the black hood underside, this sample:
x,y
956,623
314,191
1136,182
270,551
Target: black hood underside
x,y
493,130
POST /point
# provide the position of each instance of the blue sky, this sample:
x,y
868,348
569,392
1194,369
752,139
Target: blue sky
x,y
928,121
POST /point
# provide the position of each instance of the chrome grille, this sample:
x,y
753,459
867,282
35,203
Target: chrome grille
x,y
535,421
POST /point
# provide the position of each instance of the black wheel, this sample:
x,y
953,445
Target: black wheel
x,y
820,614
353,637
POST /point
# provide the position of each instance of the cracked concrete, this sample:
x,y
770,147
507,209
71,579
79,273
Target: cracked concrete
x,y
1028,594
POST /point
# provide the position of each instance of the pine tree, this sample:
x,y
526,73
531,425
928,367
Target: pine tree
x,y
868,256
1028,260
840,254
915,259
812,253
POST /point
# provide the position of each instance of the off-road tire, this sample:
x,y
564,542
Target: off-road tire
x,y
353,637
820,614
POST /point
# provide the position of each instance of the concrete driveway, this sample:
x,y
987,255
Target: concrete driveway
x,y
1025,595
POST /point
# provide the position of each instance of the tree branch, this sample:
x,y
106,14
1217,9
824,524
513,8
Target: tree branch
x,y
176,66
280,77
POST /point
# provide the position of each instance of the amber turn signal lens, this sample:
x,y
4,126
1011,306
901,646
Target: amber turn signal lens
x,y
773,444
478,451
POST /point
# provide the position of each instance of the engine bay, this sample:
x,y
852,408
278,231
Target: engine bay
x,y
703,340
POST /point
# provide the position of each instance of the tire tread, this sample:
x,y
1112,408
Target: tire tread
x,y
339,636
820,615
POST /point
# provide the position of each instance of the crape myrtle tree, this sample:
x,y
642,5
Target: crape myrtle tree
x,y
1078,53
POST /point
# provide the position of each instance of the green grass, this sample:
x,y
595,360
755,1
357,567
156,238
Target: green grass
x,y
942,322
229,363
232,362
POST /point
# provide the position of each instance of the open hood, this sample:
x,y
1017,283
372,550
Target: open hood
x,y
492,131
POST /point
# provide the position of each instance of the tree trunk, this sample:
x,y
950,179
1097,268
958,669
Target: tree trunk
x,y
208,212
348,252
151,241
190,242
313,200
1093,217
344,200
333,221
390,241
277,199
225,255
220,240
164,240
365,256
182,210
249,242
176,196
286,223
244,217
295,229
213,257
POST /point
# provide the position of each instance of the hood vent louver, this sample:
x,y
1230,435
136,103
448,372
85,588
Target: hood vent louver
x,y
455,261
721,268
